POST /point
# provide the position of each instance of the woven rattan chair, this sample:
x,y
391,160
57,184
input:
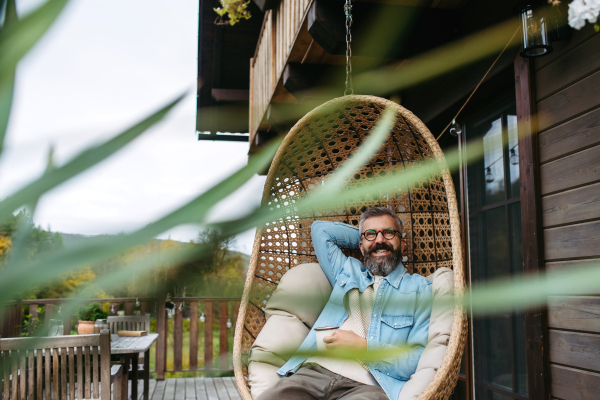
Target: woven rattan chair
x,y
319,143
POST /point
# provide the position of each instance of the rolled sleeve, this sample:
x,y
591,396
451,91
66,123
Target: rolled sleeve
x,y
328,238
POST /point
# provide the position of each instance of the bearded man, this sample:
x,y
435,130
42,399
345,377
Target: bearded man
x,y
377,306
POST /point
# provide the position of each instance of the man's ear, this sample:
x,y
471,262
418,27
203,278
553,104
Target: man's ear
x,y
402,246
361,248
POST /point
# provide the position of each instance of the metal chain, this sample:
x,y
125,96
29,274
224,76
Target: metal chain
x,y
348,12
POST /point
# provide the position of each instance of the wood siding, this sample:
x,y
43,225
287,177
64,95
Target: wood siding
x,y
567,89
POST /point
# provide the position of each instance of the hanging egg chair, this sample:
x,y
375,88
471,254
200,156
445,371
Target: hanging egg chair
x,y
318,144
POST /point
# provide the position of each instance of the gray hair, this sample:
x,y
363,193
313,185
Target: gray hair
x,y
376,212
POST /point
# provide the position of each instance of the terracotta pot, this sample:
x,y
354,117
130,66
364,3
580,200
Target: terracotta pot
x,y
85,327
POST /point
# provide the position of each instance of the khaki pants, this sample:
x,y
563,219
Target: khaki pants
x,y
315,382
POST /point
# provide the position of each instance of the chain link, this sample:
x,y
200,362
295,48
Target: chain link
x,y
348,12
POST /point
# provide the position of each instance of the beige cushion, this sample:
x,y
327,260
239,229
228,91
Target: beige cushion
x,y
291,311
440,328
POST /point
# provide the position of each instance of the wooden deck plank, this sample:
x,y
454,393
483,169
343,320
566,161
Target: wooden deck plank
x,y
159,389
190,389
221,389
170,389
211,391
232,388
180,389
201,389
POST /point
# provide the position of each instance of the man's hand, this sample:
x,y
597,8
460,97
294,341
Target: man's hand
x,y
345,340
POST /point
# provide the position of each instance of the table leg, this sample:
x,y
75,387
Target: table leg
x,y
134,376
146,374
125,377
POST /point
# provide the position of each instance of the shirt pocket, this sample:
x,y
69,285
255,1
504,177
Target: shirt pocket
x,y
395,328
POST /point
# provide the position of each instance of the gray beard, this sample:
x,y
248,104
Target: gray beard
x,y
382,267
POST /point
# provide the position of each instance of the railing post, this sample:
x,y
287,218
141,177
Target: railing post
x,y
49,313
208,335
33,310
66,318
129,307
193,335
178,336
161,343
143,308
113,308
223,345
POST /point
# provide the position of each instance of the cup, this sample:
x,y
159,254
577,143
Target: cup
x,y
324,332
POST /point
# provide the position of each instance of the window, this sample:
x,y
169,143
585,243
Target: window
x,y
495,250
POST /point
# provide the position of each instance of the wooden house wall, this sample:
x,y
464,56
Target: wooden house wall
x,y
567,90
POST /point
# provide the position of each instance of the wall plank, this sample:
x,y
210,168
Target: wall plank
x,y
573,384
575,349
571,171
581,313
579,62
573,206
574,135
571,265
572,101
573,241
563,48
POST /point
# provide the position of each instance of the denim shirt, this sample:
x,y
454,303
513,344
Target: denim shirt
x,y
400,315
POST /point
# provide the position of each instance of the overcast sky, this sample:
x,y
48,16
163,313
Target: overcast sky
x,y
104,65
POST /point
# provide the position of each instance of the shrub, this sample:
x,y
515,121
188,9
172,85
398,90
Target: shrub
x,y
91,312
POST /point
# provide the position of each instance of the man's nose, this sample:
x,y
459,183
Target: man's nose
x,y
379,238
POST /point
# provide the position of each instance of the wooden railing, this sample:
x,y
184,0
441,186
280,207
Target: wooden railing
x,y
275,42
222,312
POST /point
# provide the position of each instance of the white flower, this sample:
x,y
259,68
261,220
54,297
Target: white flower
x,y
577,10
594,10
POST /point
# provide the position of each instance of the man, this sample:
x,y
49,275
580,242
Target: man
x,y
378,306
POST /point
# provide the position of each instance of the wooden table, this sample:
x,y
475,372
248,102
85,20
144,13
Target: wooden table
x,y
129,348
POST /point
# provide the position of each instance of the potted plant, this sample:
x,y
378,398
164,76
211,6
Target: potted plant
x,y
87,317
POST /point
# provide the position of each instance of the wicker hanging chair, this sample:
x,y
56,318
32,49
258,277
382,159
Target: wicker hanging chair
x,y
315,146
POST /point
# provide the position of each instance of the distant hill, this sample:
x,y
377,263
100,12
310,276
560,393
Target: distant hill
x,y
73,239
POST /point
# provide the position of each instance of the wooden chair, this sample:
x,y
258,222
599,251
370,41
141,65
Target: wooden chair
x,y
140,363
58,367
318,144
129,323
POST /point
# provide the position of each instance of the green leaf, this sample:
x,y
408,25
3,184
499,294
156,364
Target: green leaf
x,y
7,85
16,39
80,163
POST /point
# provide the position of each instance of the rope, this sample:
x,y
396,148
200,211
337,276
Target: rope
x,y
480,82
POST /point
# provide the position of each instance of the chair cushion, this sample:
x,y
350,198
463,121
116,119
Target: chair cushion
x,y
440,328
291,311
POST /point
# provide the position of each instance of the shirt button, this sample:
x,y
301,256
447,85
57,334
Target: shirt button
x,y
388,373
380,293
375,315
372,337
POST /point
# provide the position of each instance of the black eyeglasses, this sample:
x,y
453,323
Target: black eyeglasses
x,y
388,234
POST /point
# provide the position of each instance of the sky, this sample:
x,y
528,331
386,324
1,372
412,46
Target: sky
x,y
103,66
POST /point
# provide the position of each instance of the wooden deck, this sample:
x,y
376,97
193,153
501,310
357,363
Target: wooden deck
x,y
191,389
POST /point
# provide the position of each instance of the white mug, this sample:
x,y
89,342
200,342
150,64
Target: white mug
x,y
324,332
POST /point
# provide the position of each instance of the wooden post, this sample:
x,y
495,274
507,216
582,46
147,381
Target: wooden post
x,y
223,342
49,313
129,307
113,309
178,337
193,335
33,310
236,312
66,318
536,321
143,308
161,344
208,335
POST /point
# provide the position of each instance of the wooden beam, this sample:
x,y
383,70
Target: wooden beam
x,y
265,5
536,321
230,94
